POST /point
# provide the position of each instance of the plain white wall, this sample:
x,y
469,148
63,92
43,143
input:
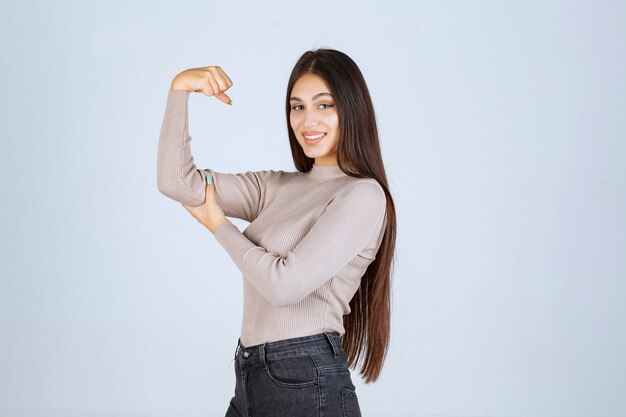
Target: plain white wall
x,y
503,133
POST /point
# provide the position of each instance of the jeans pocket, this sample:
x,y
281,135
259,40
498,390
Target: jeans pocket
x,y
350,403
293,372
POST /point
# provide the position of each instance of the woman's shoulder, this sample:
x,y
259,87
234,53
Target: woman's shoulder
x,y
270,174
341,185
362,188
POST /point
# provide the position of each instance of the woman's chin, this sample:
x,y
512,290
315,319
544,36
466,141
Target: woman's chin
x,y
309,154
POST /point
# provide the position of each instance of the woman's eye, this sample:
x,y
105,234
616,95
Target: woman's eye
x,y
323,104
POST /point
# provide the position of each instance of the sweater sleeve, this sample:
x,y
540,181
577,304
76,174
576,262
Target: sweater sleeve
x,y
346,227
240,195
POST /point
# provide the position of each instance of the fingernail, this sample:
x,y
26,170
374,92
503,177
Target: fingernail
x,y
209,179
230,102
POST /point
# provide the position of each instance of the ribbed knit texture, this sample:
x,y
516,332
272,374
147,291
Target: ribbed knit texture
x,y
310,239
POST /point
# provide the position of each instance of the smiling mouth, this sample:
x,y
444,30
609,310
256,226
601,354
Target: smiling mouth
x,y
313,139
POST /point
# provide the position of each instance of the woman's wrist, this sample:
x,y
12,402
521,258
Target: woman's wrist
x,y
214,227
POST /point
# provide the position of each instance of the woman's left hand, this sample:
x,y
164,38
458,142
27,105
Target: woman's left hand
x,y
210,214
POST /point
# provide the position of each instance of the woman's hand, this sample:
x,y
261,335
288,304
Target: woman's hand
x,y
211,81
210,214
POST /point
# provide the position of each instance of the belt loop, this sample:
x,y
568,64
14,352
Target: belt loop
x,y
262,354
332,344
236,351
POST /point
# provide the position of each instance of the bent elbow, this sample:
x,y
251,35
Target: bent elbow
x,y
162,187
283,302
285,299
177,193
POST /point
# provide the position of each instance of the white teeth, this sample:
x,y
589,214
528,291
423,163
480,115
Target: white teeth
x,y
314,137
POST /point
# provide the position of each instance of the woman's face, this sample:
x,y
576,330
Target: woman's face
x,y
313,113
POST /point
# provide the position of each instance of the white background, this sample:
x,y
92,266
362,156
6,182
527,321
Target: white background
x,y
503,132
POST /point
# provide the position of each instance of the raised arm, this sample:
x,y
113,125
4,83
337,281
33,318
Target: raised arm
x,y
240,195
343,231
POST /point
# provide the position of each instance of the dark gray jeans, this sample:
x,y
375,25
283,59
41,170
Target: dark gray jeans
x,y
299,377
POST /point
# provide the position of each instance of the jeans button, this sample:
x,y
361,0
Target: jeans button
x,y
245,354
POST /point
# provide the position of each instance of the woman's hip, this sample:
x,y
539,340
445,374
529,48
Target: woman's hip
x,y
304,376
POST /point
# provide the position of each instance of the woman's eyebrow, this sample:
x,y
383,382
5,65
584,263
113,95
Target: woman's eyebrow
x,y
314,97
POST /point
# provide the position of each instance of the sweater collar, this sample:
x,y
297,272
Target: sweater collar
x,y
326,171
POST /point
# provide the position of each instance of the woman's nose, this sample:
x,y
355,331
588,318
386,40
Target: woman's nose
x,y
310,119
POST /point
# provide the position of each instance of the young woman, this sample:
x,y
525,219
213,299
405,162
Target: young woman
x,y
316,256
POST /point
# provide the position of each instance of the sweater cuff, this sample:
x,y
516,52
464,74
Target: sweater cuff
x,y
180,94
234,241
177,98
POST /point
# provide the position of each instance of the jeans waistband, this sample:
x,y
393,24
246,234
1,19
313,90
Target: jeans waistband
x,y
280,349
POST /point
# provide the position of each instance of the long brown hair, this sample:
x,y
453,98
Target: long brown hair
x,y
367,327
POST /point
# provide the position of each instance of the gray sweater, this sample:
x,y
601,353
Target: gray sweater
x,y
309,239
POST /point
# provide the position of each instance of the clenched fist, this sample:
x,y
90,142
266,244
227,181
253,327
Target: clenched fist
x,y
211,81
